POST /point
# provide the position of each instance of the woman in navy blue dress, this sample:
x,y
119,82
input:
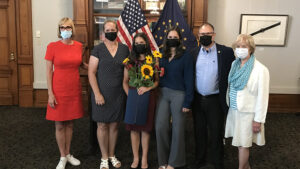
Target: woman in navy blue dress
x,y
139,123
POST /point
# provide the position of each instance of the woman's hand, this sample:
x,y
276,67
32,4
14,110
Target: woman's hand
x,y
185,110
142,90
52,101
99,99
256,126
85,65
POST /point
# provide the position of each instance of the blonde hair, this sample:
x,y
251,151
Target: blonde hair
x,y
65,20
110,21
245,38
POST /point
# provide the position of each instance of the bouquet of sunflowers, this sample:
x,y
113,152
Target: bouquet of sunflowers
x,y
142,74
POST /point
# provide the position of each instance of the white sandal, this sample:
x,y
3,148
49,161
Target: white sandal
x,y
114,161
162,167
104,164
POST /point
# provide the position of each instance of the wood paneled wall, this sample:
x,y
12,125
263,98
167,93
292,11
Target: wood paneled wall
x,y
81,18
199,14
81,21
24,53
8,65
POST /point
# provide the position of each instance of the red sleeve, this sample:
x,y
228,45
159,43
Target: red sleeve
x,y
49,53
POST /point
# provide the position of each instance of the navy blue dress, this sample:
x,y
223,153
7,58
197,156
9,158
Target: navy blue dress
x,y
140,110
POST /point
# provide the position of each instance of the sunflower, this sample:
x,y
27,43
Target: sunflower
x,y
149,60
147,71
157,54
125,61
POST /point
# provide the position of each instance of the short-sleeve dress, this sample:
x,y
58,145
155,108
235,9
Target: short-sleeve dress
x,y
65,81
110,82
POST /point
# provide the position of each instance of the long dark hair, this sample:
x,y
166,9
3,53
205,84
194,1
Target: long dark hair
x,y
179,50
133,56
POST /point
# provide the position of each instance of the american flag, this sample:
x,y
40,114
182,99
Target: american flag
x,y
131,21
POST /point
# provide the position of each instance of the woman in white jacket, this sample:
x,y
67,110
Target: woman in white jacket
x,y
248,94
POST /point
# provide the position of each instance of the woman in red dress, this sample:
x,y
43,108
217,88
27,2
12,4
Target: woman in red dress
x,y
64,88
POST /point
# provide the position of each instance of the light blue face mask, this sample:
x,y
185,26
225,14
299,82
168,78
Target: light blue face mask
x,y
66,34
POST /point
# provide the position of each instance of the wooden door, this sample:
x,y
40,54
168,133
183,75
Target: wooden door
x,y
8,56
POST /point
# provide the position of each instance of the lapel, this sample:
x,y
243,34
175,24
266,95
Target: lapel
x,y
219,56
196,54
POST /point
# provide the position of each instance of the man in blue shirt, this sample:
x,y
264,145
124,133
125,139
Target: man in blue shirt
x,y
212,66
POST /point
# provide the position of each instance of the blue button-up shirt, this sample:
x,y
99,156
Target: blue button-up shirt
x,y
207,82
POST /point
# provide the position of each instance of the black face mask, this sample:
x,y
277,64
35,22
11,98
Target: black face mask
x,y
140,48
111,36
173,42
205,40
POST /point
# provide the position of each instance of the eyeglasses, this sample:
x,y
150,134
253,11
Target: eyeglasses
x,y
206,33
65,27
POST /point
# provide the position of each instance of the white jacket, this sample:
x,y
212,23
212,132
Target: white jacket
x,y
255,96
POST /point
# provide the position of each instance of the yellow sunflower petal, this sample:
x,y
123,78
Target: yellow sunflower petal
x,y
149,69
125,60
149,59
157,54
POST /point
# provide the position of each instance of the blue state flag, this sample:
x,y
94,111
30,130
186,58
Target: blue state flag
x,y
171,16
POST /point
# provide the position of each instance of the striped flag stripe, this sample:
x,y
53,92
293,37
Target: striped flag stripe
x,y
124,36
123,26
150,37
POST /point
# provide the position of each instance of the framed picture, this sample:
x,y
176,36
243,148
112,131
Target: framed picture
x,y
267,30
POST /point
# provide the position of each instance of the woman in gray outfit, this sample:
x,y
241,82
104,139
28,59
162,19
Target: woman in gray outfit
x,y
176,86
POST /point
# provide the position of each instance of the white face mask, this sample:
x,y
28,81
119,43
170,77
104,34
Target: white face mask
x,y
241,53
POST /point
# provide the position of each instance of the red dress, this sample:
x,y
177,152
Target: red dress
x,y
65,81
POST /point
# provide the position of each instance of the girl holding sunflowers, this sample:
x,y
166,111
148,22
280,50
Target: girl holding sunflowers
x,y
140,78
176,95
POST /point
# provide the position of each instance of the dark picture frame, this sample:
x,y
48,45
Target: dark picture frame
x,y
266,29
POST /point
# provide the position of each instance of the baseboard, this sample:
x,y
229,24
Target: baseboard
x,y
286,103
278,103
40,98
